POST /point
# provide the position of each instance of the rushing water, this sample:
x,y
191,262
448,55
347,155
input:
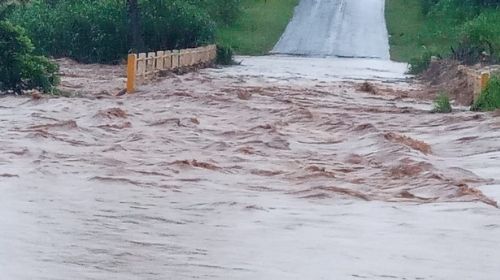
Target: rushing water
x,y
240,174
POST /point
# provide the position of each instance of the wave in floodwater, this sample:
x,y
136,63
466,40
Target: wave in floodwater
x,y
230,176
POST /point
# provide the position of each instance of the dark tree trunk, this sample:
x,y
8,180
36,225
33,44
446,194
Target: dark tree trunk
x,y
135,40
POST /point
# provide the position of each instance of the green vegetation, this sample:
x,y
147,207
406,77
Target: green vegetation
x,y
20,69
259,27
224,12
442,103
420,64
489,99
466,30
104,31
405,21
96,30
225,55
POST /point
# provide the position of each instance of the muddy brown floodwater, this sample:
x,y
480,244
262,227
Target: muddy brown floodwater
x,y
239,173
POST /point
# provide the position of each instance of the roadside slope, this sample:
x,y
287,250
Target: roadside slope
x,y
418,30
259,27
404,22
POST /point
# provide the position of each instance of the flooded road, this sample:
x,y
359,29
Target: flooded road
x,y
337,28
239,173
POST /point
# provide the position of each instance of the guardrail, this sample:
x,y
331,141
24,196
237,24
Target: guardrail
x,y
478,79
144,66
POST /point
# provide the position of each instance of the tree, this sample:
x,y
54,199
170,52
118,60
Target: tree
x,y
6,4
135,38
20,69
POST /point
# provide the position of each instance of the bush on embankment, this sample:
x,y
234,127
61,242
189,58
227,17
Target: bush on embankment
x,y
96,30
20,69
225,55
442,103
489,99
466,30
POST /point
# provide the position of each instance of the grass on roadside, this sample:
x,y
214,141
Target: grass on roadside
x,y
224,55
259,27
442,103
414,35
404,21
489,99
449,24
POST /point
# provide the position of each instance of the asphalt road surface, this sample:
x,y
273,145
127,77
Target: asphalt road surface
x,y
337,28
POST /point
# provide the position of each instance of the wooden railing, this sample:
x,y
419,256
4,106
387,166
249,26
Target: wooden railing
x,y
478,79
145,66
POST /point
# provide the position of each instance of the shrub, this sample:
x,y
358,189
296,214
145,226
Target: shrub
x,y
39,72
175,24
223,12
480,36
466,30
420,64
427,5
489,99
224,55
86,30
442,104
20,68
96,30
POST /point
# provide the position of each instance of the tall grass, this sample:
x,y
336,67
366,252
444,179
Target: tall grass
x,y
259,26
442,103
405,21
465,29
489,99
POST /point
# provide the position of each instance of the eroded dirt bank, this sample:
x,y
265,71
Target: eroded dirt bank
x,y
242,174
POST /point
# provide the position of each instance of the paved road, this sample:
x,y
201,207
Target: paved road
x,y
337,28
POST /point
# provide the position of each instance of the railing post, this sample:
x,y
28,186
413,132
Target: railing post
x,y
131,72
160,60
167,63
485,78
141,67
150,65
175,59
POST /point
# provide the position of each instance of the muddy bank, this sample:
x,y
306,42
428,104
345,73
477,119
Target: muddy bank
x,y
459,81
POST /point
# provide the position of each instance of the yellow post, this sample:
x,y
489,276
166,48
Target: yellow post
x,y
131,72
485,78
